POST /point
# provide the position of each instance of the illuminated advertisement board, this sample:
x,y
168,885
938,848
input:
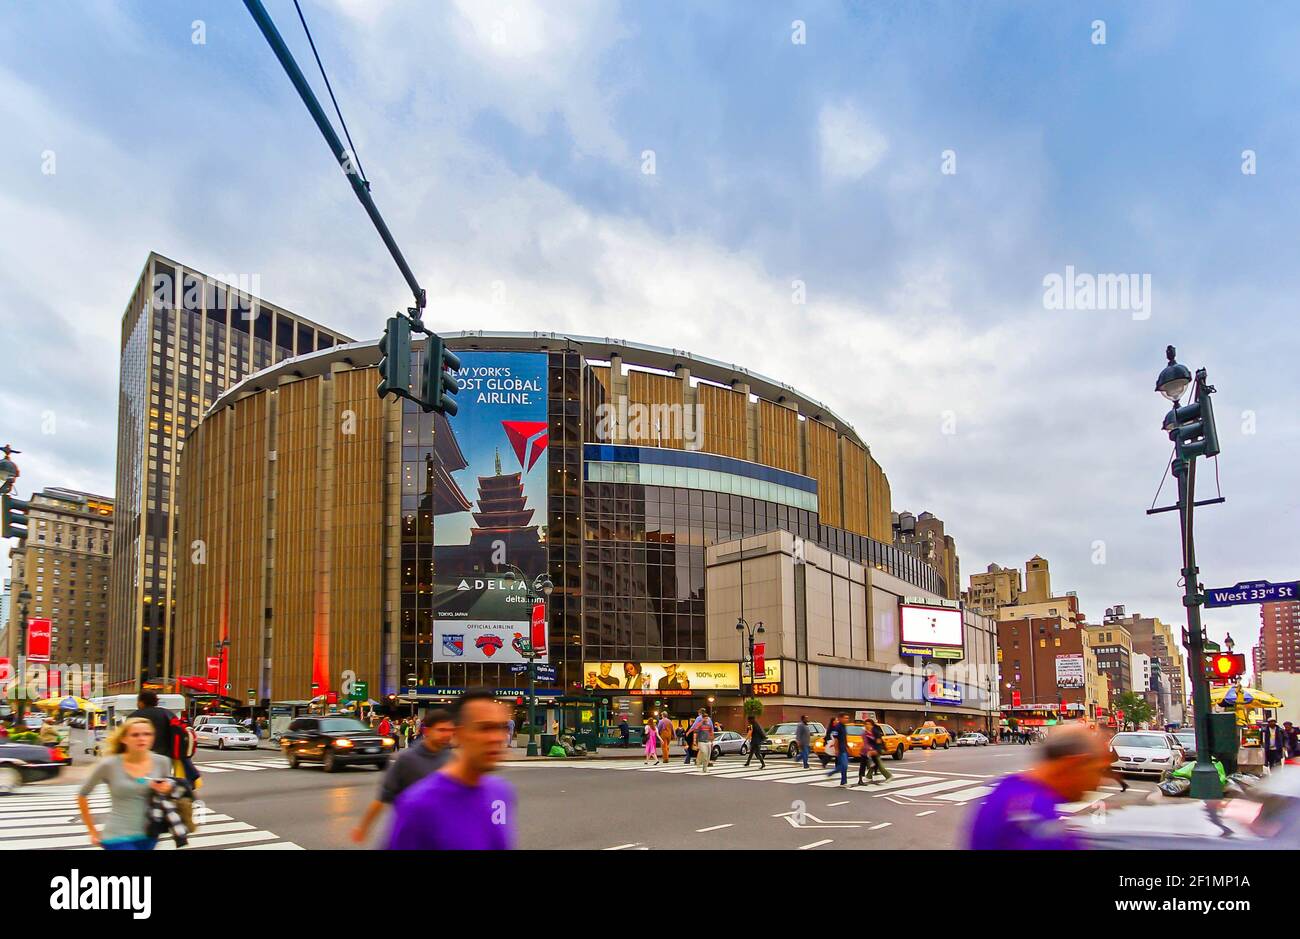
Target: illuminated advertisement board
x,y
38,640
481,619
661,678
489,503
932,631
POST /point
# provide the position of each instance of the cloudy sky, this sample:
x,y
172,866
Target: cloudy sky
x,y
666,172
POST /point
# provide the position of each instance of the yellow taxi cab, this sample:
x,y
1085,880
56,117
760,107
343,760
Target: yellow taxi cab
x,y
930,736
896,744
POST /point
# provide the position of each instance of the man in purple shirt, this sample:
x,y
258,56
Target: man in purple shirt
x,y
1020,814
461,807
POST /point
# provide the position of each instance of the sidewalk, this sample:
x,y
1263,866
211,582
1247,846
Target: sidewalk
x,y
634,752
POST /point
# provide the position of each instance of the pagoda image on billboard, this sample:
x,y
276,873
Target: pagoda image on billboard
x,y
503,521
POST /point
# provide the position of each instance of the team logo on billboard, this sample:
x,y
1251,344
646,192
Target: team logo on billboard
x,y
453,644
489,645
528,438
518,643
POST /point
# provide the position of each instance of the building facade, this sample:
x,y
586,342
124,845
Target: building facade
x,y
64,563
328,533
995,588
1113,647
1154,638
1048,671
186,337
1279,637
923,535
834,631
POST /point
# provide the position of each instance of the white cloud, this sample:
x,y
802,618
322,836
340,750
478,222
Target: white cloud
x,y
850,146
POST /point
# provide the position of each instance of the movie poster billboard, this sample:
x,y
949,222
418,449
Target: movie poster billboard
x,y
490,507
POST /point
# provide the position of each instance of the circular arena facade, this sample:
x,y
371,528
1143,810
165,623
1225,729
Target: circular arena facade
x,y
332,537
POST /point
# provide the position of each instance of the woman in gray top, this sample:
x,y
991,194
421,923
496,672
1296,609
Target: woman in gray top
x,y
131,770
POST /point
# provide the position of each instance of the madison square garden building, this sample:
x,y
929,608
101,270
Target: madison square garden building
x,y
331,536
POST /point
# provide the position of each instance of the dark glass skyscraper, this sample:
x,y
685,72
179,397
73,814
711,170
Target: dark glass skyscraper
x,y
186,337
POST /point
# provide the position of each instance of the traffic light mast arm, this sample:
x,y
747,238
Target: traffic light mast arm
x,y
346,161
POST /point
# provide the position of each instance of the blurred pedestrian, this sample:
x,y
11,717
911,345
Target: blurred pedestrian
x,y
427,756
756,738
1273,740
803,738
462,806
625,731
132,771
651,733
703,729
160,718
665,729
837,736
690,743
1020,813
873,747
1292,739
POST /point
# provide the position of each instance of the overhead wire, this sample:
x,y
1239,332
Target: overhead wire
x,y
352,148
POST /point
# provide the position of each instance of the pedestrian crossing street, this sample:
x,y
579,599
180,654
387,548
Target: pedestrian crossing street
x,y
921,786
46,817
909,785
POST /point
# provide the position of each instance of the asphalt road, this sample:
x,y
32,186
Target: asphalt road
x,y
253,800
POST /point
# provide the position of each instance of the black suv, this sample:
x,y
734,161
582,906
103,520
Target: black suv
x,y
334,742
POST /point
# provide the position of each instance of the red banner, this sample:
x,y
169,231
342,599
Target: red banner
x,y
38,640
760,660
538,630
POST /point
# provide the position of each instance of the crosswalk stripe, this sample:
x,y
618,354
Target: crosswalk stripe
x,y
965,795
936,787
48,820
277,846
899,782
755,773
911,782
252,766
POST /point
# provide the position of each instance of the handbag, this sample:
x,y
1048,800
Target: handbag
x,y
832,747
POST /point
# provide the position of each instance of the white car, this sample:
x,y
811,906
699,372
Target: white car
x,y
972,739
728,741
1146,753
225,736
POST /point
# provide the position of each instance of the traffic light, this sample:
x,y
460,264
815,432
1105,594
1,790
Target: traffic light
x,y
438,383
1224,666
1191,427
13,517
395,361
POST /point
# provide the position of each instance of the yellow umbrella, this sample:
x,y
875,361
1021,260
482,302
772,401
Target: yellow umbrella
x,y
1254,698
53,704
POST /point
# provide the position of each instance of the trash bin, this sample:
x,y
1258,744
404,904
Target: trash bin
x,y
548,741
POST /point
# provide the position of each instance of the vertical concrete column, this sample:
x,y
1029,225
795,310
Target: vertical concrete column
x,y
803,436
751,421
692,434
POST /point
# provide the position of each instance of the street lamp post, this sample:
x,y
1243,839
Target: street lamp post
x,y
1192,429
538,592
747,634
21,641
222,674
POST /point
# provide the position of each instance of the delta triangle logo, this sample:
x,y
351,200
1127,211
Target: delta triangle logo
x,y
528,438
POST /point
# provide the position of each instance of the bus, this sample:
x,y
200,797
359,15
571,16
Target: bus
x,y
118,706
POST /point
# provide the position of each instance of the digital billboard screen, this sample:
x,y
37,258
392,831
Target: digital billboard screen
x,y
930,626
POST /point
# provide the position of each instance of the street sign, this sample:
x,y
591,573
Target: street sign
x,y
1252,591
546,672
